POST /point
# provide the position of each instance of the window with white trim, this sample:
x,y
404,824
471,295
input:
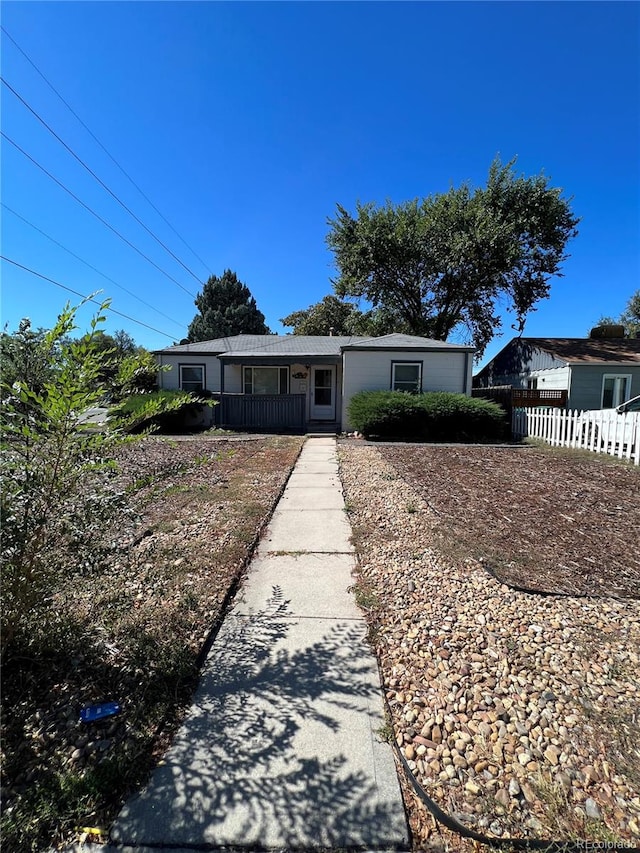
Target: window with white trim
x,y
615,390
192,377
406,376
266,380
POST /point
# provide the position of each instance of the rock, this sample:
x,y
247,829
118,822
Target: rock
x,y
502,797
409,752
591,809
514,788
472,788
552,753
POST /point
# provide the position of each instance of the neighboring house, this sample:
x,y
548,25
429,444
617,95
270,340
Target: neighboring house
x,y
597,372
305,382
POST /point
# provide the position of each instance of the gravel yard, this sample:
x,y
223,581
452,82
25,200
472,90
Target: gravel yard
x,y
518,711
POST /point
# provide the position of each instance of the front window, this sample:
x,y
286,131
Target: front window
x,y
406,376
615,390
192,377
266,380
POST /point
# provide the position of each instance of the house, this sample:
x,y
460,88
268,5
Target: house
x,y
300,382
598,372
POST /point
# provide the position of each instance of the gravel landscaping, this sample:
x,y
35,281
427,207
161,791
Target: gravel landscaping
x,y
518,711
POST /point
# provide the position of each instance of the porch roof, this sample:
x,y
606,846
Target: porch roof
x,y
274,360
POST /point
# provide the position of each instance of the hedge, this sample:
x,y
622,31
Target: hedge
x,y
433,416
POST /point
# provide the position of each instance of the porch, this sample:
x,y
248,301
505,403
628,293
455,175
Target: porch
x,y
267,413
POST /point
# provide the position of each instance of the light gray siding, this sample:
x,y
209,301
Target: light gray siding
x,y
557,379
170,380
586,383
370,370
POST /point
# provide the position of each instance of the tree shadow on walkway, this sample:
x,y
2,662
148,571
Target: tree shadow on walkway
x,y
280,747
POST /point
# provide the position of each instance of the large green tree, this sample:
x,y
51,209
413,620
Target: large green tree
x,y
453,259
225,307
630,317
335,316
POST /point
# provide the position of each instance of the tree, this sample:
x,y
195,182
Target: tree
x,y
27,356
447,260
226,307
58,496
335,316
630,317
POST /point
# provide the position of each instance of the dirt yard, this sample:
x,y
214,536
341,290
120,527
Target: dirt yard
x,y
540,520
132,633
502,592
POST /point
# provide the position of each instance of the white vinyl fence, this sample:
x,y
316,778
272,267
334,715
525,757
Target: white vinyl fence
x,y
601,432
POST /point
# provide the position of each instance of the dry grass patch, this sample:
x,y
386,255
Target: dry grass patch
x,y
131,633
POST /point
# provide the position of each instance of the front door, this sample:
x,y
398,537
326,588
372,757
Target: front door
x,y
323,394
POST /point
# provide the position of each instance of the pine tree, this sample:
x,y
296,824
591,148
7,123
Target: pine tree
x,y
226,307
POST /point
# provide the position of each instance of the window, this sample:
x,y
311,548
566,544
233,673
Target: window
x,y
266,380
615,390
192,377
406,376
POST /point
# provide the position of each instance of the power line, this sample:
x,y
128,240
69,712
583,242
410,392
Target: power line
x,y
87,298
111,157
93,174
91,267
97,215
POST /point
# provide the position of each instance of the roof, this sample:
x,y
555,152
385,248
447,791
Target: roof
x,y
399,341
589,350
254,346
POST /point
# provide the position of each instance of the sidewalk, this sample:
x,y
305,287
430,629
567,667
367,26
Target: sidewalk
x,y
280,748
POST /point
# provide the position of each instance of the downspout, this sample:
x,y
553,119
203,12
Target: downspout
x,y
221,403
466,373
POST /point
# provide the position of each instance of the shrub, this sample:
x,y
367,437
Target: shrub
x,y
433,416
388,414
157,410
56,479
137,374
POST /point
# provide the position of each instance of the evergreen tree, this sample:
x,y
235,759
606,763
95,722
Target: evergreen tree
x,y
226,307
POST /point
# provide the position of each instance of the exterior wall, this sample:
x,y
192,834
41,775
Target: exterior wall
x,y
370,370
586,383
556,379
171,379
514,365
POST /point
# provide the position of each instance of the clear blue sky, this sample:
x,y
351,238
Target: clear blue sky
x,y
245,124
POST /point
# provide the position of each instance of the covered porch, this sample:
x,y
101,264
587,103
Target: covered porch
x,y
277,394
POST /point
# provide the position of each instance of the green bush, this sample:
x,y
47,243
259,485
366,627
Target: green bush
x,y
58,495
434,416
162,410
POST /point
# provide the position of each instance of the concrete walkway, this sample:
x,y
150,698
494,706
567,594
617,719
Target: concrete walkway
x,y
280,749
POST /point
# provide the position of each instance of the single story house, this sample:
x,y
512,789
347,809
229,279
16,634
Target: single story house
x,y
305,382
598,372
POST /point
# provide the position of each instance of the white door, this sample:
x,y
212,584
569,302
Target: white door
x,y
323,394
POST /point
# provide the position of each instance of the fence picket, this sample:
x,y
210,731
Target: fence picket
x,y
597,432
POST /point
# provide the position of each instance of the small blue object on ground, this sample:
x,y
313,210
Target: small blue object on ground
x,y
95,713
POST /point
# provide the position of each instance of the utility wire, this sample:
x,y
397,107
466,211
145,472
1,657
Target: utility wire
x,y
87,298
109,155
97,215
93,174
91,267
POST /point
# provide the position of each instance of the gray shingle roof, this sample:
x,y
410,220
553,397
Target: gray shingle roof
x,y
399,341
305,345
589,350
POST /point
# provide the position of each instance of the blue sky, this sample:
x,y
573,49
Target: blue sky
x,y
246,123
